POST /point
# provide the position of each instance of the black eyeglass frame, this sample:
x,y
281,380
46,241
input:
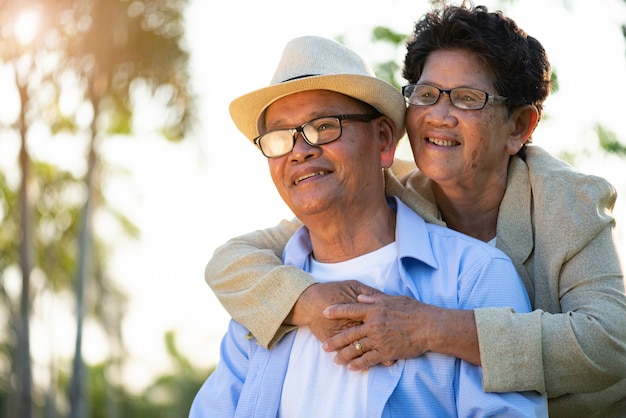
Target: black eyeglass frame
x,y
489,98
366,117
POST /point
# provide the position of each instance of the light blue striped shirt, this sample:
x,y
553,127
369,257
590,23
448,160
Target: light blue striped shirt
x,y
438,266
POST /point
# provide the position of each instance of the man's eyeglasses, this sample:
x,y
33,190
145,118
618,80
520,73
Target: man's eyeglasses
x,y
462,97
316,132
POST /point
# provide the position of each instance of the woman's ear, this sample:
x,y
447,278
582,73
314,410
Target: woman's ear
x,y
523,120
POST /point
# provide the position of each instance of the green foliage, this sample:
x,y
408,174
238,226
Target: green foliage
x,y
624,32
132,41
390,70
171,394
381,33
58,201
554,81
608,141
9,227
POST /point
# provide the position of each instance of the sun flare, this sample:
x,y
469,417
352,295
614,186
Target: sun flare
x,y
26,26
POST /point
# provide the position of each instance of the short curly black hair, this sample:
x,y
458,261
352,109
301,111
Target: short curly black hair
x,y
518,62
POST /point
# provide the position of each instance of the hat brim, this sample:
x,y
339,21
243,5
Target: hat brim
x,y
247,111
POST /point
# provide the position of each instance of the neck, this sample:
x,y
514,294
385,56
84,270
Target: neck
x,y
346,237
470,212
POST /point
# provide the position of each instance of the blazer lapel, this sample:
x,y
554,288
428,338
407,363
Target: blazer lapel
x,y
514,228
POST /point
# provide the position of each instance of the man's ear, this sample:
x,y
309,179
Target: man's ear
x,y
386,130
523,120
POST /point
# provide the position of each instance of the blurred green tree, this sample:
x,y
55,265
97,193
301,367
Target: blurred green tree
x,y
125,42
108,48
169,396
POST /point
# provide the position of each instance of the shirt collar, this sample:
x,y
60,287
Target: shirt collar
x,y
412,239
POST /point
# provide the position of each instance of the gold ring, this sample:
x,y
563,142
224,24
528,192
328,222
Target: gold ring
x,y
358,347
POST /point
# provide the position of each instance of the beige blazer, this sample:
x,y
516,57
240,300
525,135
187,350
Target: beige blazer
x,y
556,226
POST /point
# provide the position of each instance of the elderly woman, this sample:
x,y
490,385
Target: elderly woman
x,y
477,84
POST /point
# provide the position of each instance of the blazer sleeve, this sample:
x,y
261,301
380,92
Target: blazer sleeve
x,y
578,348
249,279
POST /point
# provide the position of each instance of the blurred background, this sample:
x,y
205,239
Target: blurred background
x,y
121,172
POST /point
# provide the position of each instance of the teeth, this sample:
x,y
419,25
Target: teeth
x,y
442,142
308,176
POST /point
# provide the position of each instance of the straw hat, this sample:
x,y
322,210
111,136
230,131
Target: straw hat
x,y
315,63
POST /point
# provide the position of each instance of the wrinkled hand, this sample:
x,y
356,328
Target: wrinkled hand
x,y
390,328
309,308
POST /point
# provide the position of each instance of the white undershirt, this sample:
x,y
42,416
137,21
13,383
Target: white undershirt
x,y
314,385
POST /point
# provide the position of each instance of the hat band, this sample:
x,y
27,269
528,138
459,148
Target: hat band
x,y
299,77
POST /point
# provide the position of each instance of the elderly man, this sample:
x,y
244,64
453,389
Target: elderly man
x,y
329,127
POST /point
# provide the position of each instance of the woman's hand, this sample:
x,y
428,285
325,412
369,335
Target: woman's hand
x,y
388,331
399,327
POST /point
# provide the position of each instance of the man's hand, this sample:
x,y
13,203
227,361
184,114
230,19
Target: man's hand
x,y
309,308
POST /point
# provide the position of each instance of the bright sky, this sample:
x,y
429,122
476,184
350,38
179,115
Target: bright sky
x,y
189,198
